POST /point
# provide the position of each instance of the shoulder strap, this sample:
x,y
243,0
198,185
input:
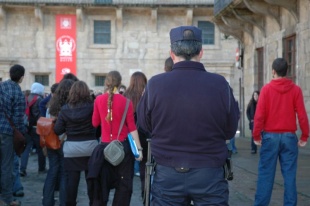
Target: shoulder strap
x,y
33,101
10,121
123,118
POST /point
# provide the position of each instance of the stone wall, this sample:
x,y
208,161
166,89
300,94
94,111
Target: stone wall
x,y
273,48
140,41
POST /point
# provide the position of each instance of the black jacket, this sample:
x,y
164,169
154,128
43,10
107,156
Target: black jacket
x,y
34,109
76,122
250,113
190,113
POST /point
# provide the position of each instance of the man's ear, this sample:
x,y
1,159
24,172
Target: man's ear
x,y
21,79
200,54
172,55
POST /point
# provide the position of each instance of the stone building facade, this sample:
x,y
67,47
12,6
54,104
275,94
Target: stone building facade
x,y
268,29
138,41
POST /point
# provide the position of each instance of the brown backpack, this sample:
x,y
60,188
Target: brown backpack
x,y
48,138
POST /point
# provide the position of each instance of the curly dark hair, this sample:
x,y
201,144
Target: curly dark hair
x,y
79,94
60,96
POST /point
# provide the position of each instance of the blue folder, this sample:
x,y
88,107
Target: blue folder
x,y
133,146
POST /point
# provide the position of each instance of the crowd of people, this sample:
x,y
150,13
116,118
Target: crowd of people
x,y
188,129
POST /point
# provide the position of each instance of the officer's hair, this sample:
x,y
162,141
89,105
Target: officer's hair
x,y
186,48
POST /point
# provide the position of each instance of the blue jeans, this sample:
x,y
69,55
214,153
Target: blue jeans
x,y
34,138
17,183
137,166
282,146
55,173
204,186
232,145
25,155
7,162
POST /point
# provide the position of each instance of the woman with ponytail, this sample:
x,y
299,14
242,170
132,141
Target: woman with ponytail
x,y
108,112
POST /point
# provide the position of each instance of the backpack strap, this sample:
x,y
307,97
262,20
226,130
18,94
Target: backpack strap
x,y
33,101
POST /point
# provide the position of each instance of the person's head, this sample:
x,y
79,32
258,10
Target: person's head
x,y
254,98
79,93
279,67
54,87
255,95
27,92
70,76
122,89
136,87
112,82
186,43
168,64
17,73
37,88
60,96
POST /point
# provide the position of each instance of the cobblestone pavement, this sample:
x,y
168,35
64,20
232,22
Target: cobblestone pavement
x,y
242,188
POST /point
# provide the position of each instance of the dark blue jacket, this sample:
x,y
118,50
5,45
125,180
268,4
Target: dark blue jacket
x,y
190,114
43,104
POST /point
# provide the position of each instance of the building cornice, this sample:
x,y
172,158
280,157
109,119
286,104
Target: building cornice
x,y
174,3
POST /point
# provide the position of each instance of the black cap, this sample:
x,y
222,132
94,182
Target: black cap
x,y
177,34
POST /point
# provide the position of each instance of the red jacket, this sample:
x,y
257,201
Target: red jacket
x,y
279,102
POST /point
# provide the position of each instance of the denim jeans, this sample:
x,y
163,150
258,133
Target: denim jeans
x,y
17,183
282,146
232,145
55,173
7,162
204,186
35,138
25,155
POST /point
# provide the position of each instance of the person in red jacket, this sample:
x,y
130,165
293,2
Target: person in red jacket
x,y
274,129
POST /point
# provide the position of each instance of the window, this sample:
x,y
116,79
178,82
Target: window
x,y
42,78
103,1
102,32
289,54
207,32
260,67
99,80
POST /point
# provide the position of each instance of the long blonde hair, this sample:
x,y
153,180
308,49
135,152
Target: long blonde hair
x,y
112,82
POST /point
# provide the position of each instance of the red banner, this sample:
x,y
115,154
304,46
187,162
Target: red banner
x,y
65,45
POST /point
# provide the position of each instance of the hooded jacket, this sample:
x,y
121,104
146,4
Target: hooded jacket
x,y
279,102
37,89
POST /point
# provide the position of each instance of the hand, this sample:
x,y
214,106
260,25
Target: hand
x,y
140,156
301,143
259,143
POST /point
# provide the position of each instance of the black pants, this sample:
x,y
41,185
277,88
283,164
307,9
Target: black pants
x,y
73,180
